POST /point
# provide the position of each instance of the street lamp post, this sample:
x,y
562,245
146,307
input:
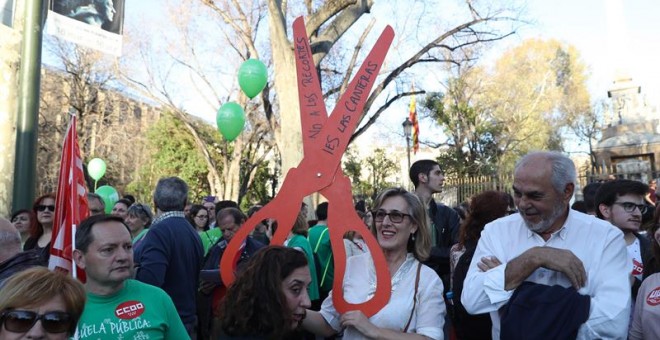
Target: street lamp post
x,y
407,131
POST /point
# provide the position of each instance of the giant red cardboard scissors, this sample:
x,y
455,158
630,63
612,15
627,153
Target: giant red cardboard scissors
x,y
325,140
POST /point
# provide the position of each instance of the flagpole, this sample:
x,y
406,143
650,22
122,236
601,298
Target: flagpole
x,y
75,203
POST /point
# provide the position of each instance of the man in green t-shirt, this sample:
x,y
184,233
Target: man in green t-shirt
x,y
319,239
118,307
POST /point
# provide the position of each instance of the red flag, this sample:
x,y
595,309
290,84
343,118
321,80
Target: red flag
x,y
71,205
415,124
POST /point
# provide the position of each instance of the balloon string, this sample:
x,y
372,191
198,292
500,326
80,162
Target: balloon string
x,y
95,183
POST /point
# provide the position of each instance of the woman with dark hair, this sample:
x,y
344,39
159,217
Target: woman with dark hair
x,y
198,216
269,299
39,304
121,208
24,220
138,219
40,235
484,208
416,309
646,312
298,240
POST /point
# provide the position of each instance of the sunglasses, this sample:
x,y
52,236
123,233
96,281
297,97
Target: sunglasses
x,y
21,321
42,207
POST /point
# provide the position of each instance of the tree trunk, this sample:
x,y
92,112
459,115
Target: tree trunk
x,y
286,87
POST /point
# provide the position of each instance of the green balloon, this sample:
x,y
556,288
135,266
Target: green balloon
x,y
109,195
230,120
96,168
252,77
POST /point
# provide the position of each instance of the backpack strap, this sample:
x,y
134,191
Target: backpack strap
x,y
419,268
318,242
316,249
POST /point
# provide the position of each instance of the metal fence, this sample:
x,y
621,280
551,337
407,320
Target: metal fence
x,y
457,190
460,189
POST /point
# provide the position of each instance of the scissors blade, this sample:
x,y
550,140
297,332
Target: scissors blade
x,y
313,113
333,138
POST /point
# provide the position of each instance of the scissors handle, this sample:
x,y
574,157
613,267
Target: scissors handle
x,y
342,218
284,208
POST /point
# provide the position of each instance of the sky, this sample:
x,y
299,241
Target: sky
x,y
611,35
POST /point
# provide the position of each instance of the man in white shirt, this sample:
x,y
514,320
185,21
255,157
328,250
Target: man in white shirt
x,y
547,243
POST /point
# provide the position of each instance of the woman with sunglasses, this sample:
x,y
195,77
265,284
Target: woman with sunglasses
x,y
39,304
44,209
416,309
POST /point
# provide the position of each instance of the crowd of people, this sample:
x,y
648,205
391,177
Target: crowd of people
x,y
526,266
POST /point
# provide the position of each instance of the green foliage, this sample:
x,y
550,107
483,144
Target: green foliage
x,y
492,117
536,89
352,166
353,169
173,153
260,191
380,169
470,147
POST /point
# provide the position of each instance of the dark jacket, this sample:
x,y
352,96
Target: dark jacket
x,y
647,260
170,257
539,312
467,326
20,262
446,222
212,262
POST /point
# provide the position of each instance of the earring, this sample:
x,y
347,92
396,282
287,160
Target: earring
x,y
413,237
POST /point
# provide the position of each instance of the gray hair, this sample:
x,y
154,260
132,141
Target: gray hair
x,y
97,197
141,211
171,194
10,241
563,168
9,237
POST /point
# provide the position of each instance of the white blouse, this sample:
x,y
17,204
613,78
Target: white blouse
x,y
359,286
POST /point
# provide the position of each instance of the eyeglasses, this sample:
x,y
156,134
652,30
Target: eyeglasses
x,y
630,207
395,216
202,216
42,207
21,321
